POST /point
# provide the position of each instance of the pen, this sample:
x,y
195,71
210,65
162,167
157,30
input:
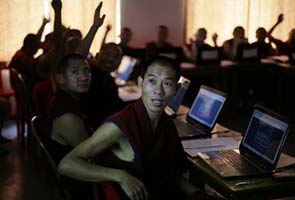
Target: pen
x,y
241,183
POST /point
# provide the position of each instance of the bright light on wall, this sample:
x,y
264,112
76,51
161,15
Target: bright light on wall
x,y
118,21
46,7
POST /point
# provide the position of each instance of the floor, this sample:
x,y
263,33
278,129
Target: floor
x,y
23,172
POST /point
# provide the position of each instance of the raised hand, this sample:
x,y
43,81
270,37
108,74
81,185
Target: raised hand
x,y
214,37
56,5
46,20
108,28
133,187
280,18
98,21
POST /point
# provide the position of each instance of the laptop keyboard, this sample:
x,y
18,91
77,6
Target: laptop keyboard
x,y
237,161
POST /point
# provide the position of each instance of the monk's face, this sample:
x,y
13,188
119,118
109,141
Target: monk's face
x,y
158,86
76,78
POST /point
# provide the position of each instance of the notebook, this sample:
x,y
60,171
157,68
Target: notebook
x,y
124,70
259,150
202,115
173,105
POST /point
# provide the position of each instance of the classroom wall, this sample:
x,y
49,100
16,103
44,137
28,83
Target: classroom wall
x,y
143,16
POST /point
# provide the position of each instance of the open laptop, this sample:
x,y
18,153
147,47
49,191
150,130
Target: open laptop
x,y
259,149
202,115
172,52
208,55
248,53
124,70
173,105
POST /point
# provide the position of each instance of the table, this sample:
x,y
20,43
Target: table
x,y
262,187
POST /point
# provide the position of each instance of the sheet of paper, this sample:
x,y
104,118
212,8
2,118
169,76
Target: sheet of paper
x,y
285,160
194,146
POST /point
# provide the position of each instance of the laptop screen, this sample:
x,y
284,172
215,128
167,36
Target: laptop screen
x,y
207,106
208,55
126,67
172,52
265,135
175,101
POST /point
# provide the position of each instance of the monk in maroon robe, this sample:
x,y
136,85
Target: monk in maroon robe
x,y
137,150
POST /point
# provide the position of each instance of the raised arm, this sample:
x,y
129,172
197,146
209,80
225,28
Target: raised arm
x,y
108,28
56,52
190,53
76,164
41,29
214,39
57,29
271,38
279,20
84,47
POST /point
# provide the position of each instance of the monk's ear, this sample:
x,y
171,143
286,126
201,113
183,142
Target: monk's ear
x,y
59,78
139,82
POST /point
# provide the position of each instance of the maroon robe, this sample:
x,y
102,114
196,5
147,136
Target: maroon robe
x,y
159,156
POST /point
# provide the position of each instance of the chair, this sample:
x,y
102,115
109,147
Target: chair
x,y
37,127
24,106
292,57
6,89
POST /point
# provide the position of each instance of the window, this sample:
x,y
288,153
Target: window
x,y
223,15
20,17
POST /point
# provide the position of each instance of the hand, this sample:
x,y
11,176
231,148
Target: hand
x,y
98,21
108,28
46,20
56,5
133,187
214,37
280,18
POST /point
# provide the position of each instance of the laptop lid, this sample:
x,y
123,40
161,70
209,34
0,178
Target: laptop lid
x,y
264,138
207,106
208,55
125,69
172,52
248,53
176,101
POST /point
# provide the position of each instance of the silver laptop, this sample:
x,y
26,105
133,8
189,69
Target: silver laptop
x,y
175,102
259,150
202,115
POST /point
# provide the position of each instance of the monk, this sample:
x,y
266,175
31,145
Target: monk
x,y
137,149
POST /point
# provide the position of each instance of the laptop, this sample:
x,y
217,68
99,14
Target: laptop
x,y
124,70
202,115
174,104
172,52
208,55
259,150
248,53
